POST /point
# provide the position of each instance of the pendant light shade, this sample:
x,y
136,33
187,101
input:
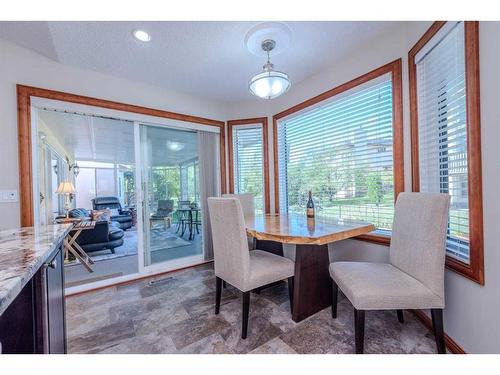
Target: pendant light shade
x,y
270,83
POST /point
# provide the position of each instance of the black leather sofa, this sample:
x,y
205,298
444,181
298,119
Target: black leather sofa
x,y
124,217
105,235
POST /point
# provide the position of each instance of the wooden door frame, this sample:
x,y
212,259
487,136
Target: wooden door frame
x,y
265,150
24,94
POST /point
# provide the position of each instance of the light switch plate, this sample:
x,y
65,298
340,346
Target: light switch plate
x,y
8,196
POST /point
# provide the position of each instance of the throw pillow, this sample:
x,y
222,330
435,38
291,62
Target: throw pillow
x,y
101,215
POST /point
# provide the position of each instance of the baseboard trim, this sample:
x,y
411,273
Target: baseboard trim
x,y
450,343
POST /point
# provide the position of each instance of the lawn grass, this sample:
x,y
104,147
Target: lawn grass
x,y
382,215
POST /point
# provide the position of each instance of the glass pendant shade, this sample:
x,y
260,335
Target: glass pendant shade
x,y
269,84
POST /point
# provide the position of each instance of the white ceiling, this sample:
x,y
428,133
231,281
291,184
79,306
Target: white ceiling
x,y
207,59
108,140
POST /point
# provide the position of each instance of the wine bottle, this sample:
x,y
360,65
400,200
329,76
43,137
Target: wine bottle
x,y
310,206
311,226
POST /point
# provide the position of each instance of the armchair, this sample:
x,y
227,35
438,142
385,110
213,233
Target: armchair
x,y
163,212
165,209
123,217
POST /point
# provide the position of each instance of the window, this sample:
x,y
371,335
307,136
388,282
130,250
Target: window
x,y
342,148
445,127
94,179
104,179
189,177
247,149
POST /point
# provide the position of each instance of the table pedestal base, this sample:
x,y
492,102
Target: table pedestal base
x,y
312,284
312,281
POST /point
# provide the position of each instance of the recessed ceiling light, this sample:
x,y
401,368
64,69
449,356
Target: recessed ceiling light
x,y
142,35
175,146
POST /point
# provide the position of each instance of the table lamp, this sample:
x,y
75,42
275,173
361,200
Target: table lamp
x,y
66,188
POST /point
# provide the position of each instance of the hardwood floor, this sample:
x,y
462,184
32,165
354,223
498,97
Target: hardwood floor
x,y
175,314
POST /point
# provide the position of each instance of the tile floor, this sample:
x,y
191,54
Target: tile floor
x,y
173,313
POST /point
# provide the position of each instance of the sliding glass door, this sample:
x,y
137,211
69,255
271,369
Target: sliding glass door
x,y
142,184
171,200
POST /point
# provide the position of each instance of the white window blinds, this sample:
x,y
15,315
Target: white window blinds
x,y
342,151
248,163
442,132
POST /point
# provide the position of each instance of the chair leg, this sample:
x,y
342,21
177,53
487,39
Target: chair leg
x,y
401,318
246,308
218,293
224,285
359,330
335,294
437,325
290,292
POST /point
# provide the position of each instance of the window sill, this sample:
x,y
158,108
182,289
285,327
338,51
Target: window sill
x,y
475,274
375,238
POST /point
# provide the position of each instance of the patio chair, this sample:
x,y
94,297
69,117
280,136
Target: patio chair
x,y
164,211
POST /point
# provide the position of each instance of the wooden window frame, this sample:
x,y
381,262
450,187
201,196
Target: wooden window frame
x,y
395,69
265,142
475,270
24,94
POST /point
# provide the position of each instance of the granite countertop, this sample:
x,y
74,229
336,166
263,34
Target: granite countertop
x,y
22,253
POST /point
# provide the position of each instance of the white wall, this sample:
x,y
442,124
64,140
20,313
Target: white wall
x,y
471,310
21,66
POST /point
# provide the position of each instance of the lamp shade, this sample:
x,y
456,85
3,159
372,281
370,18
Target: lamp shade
x,y
66,187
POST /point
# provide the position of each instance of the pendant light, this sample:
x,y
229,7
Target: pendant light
x,y
270,83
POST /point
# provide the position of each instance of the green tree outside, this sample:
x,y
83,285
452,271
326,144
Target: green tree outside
x,y
375,188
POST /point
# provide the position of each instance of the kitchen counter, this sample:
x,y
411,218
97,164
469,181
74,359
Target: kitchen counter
x,y
22,253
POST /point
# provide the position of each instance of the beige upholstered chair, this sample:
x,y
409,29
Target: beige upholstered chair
x,y
414,277
246,200
243,269
248,206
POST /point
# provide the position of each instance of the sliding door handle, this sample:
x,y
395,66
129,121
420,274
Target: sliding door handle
x,y
52,264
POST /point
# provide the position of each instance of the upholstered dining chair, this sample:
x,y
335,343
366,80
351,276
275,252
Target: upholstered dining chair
x,y
246,200
248,205
413,278
243,269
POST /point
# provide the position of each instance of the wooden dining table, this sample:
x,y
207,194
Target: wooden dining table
x,y
312,284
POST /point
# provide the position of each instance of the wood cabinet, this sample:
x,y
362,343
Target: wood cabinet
x,y
35,321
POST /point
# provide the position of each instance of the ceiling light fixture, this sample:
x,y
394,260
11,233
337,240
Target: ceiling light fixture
x,y
270,83
175,146
141,35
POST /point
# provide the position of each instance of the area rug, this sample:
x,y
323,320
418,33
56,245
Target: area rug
x,y
161,240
